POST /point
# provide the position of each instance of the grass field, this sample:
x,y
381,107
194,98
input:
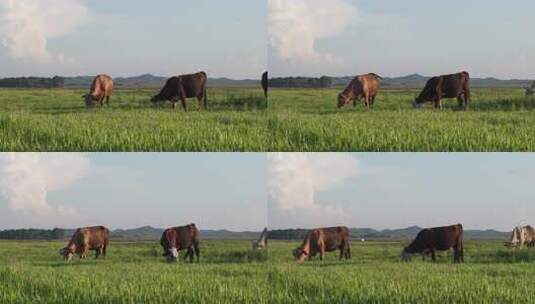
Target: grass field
x,y
57,120
308,120
238,120
32,272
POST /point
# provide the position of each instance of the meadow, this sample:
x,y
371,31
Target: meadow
x,y
33,272
57,120
239,119
308,120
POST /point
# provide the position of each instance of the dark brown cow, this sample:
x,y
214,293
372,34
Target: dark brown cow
x,y
265,83
179,238
446,86
363,86
84,239
439,238
185,86
323,240
101,88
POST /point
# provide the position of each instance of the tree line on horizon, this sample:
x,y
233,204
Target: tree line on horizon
x,y
32,82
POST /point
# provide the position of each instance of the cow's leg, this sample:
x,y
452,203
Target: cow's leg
x,y
433,255
373,100
108,101
183,101
463,104
97,253
101,101
197,251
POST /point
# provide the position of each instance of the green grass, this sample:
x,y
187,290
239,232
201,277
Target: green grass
x,y
491,274
32,272
238,120
308,120
57,120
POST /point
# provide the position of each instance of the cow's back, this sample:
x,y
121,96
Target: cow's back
x,y
334,237
446,237
193,84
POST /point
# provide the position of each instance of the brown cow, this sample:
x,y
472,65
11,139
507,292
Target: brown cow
x,y
265,83
84,239
323,240
446,86
178,238
439,238
363,86
182,87
101,88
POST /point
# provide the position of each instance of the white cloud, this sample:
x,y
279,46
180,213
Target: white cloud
x,y
296,25
27,25
27,178
294,180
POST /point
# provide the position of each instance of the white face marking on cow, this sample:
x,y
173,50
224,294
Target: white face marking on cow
x,y
405,256
173,255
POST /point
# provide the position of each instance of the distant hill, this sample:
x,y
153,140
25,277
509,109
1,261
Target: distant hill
x,y
151,233
390,234
418,81
409,81
151,81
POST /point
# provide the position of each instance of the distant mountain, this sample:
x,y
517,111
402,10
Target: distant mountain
x,y
418,81
152,234
151,81
389,234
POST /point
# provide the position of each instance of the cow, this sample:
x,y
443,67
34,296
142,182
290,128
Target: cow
x,y
363,86
101,88
180,238
182,87
265,83
446,86
262,242
530,90
428,241
522,235
323,240
84,239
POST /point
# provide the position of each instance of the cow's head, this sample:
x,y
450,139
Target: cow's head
x,y
67,253
418,102
172,255
300,254
343,100
405,255
89,99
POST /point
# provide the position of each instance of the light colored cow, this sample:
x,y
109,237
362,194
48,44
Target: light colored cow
x,y
530,90
262,241
522,235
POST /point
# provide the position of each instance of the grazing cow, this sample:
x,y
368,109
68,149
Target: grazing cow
x,y
265,83
323,240
363,86
179,238
530,90
262,241
85,239
521,236
181,87
446,86
101,88
428,241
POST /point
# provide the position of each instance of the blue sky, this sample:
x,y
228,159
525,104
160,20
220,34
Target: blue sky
x,y
216,191
394,38
380,191
248,191
131,37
